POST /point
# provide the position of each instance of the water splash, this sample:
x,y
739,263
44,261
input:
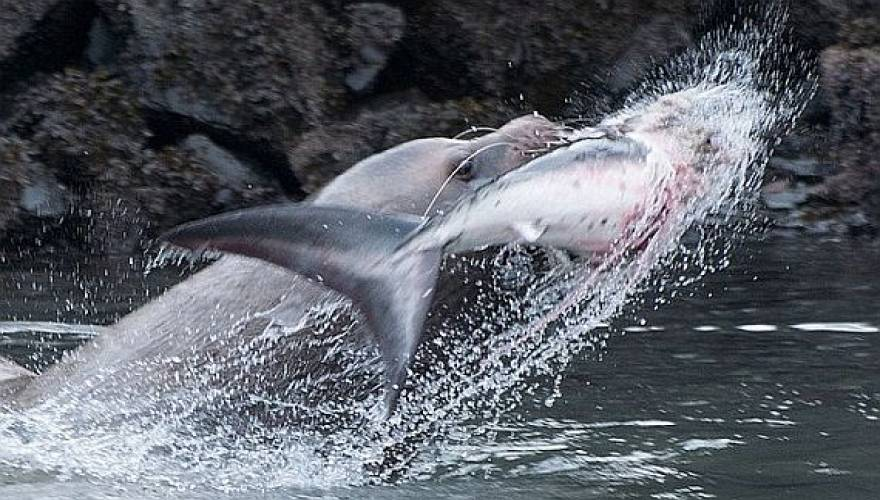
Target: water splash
x,y
743,86
523,318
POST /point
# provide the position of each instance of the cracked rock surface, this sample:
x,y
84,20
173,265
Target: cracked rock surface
x,y
120,118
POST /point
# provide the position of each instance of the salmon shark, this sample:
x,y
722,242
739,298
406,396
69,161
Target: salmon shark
x,y
624,175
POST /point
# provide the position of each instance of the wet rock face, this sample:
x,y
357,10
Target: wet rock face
x,y
539,50
119,118
825,172
13,169
76,146
263,69
374,32
851,77
41,36
836,189
28,189
327,151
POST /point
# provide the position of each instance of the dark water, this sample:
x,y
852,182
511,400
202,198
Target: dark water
x,y
71,290
764,384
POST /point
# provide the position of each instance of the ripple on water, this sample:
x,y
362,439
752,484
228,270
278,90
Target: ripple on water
x,y
837,327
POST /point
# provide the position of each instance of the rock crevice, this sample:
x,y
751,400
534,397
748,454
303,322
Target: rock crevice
x,y
120,118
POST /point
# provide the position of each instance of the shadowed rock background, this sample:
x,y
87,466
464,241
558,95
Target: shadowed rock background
x,y
121,118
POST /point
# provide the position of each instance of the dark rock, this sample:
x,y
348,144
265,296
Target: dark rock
x,y
375,30
787,198
817,22
802,167
262,70
809,143
42,36
863,31
19,18
88,132
44,196
456,47
31,198
658,37
104,44
325,152
16,164
851,78
842,221
265,156
871,207
232,172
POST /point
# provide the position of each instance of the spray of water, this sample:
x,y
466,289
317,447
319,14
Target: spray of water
x,y
524,317
721,107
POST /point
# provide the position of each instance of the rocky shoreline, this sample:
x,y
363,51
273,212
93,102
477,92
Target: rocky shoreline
x,y
121,118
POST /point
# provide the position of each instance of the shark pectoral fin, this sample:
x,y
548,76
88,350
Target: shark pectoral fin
x,y
529,232
350,251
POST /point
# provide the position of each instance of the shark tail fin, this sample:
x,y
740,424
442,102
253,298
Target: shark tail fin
x,y
350,251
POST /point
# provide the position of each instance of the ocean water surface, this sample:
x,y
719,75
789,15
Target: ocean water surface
x,y
765,383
